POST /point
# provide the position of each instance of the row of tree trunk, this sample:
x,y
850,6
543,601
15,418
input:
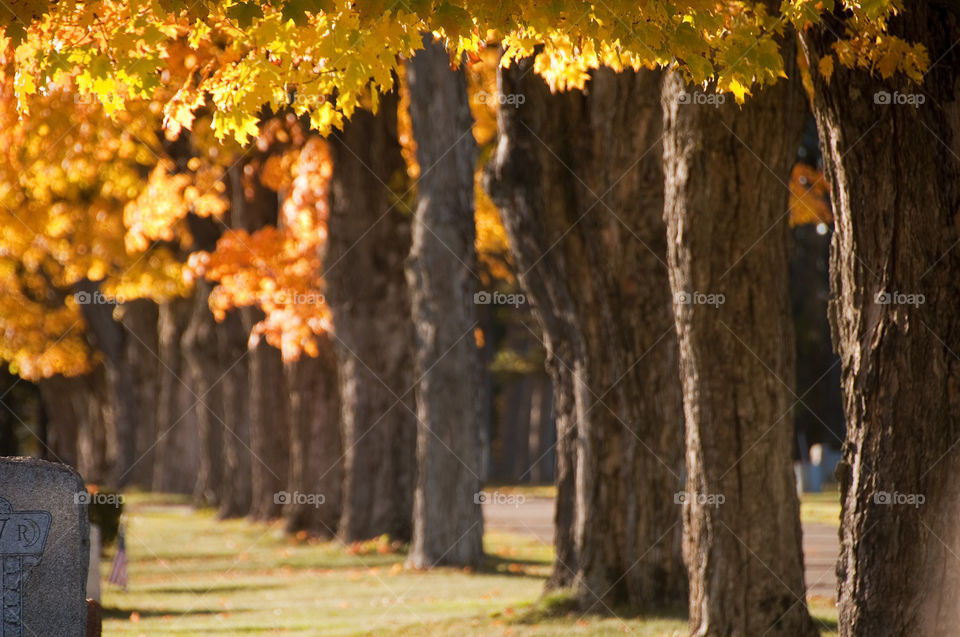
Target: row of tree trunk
x,y
650,233
380,433
580,180
583,204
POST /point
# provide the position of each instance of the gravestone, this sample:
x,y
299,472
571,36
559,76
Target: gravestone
x,y
820,468
44,549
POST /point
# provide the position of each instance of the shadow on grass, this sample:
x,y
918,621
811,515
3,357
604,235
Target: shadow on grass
x,y
208,556
124,613
203,590
563,605
826,624
496,565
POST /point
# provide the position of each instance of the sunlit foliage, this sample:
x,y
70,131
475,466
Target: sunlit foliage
x,y
322,57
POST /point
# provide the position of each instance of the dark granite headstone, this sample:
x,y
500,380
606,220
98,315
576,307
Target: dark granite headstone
x,y
44,549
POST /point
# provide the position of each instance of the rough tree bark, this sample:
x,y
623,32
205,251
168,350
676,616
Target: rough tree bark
x,y
894,170
726,197
578,181
316,465
367,293
447,520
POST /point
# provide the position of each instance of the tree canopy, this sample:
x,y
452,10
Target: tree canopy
x,y
326,58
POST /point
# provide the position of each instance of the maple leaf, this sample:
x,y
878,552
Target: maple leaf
x,y
825,66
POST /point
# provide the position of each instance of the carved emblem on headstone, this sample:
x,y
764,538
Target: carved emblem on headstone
x,y
23,535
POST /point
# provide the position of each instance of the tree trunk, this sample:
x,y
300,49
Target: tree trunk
x,y
316,465
256,448
447,520
9,418
514,457
820,420
566,559
176,459
726,170
120,405
91,402
199,347
542,432
895,280
269,431
58,395
367,292
236,490
578,180
487,389
139,320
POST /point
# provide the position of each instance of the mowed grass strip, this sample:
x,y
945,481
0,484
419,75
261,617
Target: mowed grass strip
x,y
821,507
191,574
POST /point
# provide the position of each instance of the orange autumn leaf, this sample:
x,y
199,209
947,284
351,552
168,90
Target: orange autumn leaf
x,y
279,269
809,196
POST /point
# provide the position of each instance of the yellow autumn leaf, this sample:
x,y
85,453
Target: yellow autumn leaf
x,y
825,66
739,90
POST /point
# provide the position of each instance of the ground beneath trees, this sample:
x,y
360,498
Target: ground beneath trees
x,y
191,574
533,516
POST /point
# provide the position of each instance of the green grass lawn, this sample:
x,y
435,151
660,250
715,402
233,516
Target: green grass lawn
x,y
821,507
191,574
